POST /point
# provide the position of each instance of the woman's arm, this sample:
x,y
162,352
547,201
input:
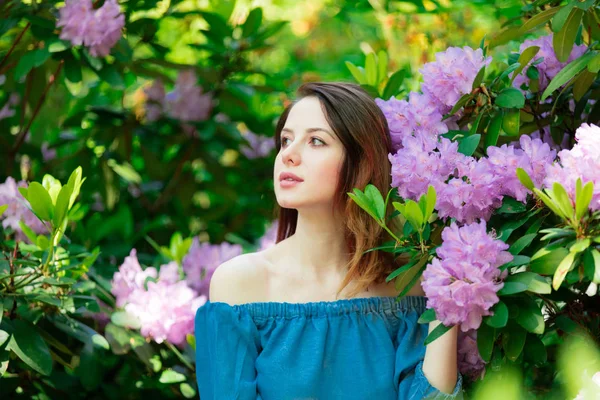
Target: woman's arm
x,y
440,364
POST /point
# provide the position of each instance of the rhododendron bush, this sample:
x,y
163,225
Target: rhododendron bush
x,y
138,158
496,180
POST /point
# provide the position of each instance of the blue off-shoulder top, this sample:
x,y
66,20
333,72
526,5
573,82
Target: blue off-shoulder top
x,y
350,349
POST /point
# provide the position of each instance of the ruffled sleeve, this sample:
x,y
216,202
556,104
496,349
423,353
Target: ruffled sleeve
x,y
412,383
227,345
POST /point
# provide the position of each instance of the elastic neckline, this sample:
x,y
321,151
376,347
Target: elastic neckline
x,y
359,305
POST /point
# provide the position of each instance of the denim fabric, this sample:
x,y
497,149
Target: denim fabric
x,y
356,349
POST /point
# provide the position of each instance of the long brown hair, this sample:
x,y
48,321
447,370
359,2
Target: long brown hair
x,y
363,130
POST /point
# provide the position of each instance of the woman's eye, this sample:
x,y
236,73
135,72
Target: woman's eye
x,y
319,140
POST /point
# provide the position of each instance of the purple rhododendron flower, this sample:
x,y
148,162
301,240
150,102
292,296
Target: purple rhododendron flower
x,y
130,277
155,101
186,101
550,66
18,210
259,145
461,283
452,74
97,29
582,161
470,362
166,311
270,237
203,259
418,116
533,156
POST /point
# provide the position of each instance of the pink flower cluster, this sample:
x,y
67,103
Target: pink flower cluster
x,y
419,115
452,74
461,283
550,66
470,362
582,161
97,29
270,237
467,188
164,304
18,209
186,102
259,146
203,259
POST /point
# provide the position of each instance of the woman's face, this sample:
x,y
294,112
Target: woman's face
x,y
312,152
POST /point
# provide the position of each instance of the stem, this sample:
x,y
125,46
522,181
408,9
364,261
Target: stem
x,y
179,355
38,106
391,233
17,40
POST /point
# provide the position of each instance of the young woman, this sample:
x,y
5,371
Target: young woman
x,y
312,317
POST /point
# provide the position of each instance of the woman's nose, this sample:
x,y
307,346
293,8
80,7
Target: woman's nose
x,y
291,154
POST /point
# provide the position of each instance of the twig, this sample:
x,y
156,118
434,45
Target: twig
x,y
17,40
179,355
21,136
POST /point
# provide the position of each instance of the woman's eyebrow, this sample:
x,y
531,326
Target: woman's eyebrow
x,y
311,130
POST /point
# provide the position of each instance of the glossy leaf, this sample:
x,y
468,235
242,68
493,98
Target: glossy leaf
x,y
546,262
500,317
563,40
393,84
29,346
510,98
560,273
567,73
40,201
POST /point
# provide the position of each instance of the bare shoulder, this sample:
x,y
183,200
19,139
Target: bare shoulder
x,y
239,280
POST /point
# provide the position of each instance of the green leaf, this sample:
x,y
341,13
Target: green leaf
x,y
126,320
218,24
594,64
561,271
535,350
512,33
1,308
431,197
562,199
549,202
187,390
358,74
4,336
29,346
563,41
583,83
510,98
111,75
511,122
486,336
524,59
40,201
513,341
376,200
29,61
75,181
253,22
436,333
530,316
79,331
479,77
512,287
402,269
414,215
169,376
500,316
371,69
493,130
468,145
393,84
517,261
3,208
583,198
363,202
545,262
459,104
561,17
62,205
382,65
521,243
580,246
596,257
567,73
427,316
511,206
